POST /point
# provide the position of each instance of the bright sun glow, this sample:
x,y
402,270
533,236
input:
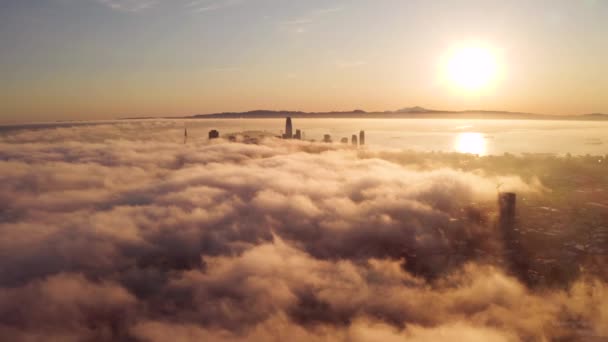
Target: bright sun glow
x,y
469,142
471,68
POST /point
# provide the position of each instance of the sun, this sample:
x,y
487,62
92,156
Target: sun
x,y
471,68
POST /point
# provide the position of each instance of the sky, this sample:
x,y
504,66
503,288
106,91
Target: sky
x,y
103,59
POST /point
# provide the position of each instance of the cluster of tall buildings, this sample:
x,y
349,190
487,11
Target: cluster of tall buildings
x,y
289,131
361,140
356,140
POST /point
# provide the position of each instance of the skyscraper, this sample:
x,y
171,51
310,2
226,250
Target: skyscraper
x,y
515,253
362,138
506,222
506,211
354,140
298,135
288,129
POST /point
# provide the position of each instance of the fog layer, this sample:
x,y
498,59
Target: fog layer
x,y
122,232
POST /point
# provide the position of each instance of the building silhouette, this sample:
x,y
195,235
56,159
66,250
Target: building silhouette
x,y
506,221
288,129
298,135
344,140
362,138
354,140
327,138
214,134
516,255
506,213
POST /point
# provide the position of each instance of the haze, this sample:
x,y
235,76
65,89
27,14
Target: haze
x,y
99,59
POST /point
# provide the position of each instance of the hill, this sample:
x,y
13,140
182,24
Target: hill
x,y
404,113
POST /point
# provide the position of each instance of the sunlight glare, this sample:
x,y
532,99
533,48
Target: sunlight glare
x,y
473,143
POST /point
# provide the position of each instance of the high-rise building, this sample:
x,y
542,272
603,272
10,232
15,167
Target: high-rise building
x,y
506,221
354,140
362,138
288,129
298,135
506,211
327,138
214,134
516,255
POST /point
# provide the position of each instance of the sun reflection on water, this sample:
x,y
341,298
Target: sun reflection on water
x,y
471,142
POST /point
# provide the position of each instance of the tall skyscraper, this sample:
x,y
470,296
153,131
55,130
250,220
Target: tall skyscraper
x,y
288,129
515,253
362,138
506,211
506,222
354,140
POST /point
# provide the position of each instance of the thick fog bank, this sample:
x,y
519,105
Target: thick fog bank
x,y
121,232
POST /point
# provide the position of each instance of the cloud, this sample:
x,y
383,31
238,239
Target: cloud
x,y
201,6
122,232
66,306
129,5
194,6
300,24
278,329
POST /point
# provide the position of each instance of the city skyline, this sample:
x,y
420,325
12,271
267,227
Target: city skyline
x,y
104,59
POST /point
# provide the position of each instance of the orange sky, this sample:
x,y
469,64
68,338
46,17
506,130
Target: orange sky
x,y
105,59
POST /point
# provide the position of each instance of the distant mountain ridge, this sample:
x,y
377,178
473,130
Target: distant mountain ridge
x,y
415,112
598,115
416,109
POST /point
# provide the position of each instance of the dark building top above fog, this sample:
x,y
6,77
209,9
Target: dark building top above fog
x,y
255,137
214,134
288,129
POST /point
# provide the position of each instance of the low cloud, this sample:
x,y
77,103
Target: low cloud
x,y
120,232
